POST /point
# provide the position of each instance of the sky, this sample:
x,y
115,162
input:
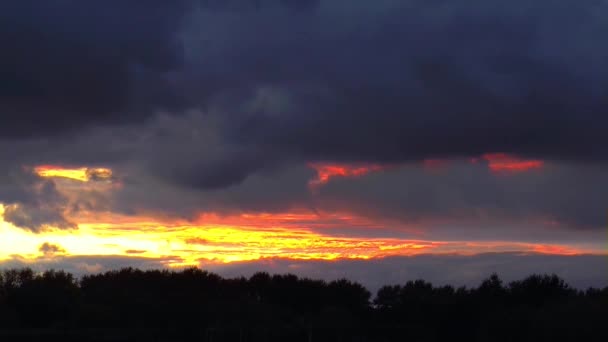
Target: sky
x,y
376,140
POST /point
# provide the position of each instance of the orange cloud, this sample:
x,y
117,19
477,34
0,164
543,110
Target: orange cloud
x,y
555,249
296,218
82,174
325,172
505,163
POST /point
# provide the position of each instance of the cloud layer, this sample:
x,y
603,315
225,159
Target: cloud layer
x,y
425,108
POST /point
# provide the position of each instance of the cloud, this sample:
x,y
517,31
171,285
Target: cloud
x,y
570,194
81,265
35,204
50,250
68,65
36,218
403,81
220,106
178,152
393,82
82,174
580,271
135,251
558,196
342,80
504,163
325,172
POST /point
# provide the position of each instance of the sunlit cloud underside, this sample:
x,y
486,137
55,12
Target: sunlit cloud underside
x,y
82,174
217,239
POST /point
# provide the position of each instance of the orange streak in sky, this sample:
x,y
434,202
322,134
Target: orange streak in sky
x,y
215,238
505,163
82,174
325,172
296,218
559,250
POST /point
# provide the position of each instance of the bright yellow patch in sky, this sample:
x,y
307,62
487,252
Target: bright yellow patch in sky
x,y
83,174
193,244
231,239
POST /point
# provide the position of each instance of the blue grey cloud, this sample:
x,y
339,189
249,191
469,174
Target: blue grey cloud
x,y
580,271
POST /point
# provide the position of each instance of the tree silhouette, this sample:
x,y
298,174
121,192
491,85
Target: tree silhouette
x,y
192,304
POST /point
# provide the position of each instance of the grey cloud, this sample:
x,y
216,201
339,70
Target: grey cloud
x,y
67,65
37,218
33,203
386,81
462,195
571,194
389,81
580,271
81,265
174,154
50,250
401,81
270,88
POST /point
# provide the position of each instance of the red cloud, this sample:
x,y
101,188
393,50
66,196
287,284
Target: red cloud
x,y
505,163
325,172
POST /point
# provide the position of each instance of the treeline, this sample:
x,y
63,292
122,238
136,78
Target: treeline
x,y
195,305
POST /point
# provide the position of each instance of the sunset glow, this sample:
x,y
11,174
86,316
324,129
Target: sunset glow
x,y
504,163
82,174
225,239
291,170
325,172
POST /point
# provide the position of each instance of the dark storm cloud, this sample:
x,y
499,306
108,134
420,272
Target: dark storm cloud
x,y
395,81
271,85
66,64
173,152
570,193
292,80
403,80
70,64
